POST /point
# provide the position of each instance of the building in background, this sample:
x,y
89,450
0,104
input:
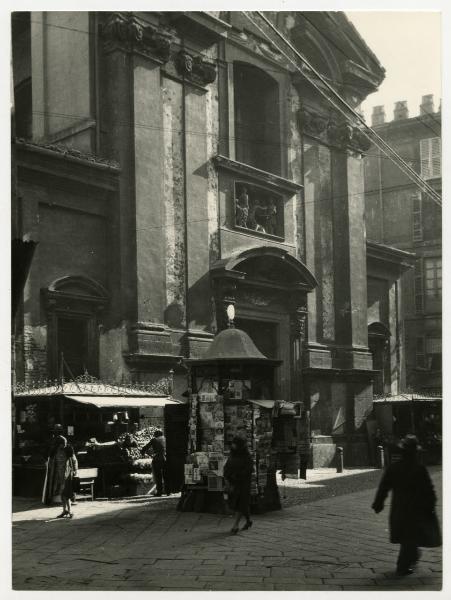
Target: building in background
x,y
172,164
398,214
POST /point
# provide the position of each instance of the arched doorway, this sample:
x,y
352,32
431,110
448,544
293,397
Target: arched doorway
x,y
268,287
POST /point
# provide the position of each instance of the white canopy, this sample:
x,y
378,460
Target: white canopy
x,y
132,402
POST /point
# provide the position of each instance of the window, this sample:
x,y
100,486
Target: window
x,y
420,353
73,345
257,120
258,210
430,156
419,300
433,353
417,220
433,277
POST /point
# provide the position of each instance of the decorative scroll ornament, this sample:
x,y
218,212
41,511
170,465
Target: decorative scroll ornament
x,y
311,123
128,33
195,68
298,321
348,136
343,135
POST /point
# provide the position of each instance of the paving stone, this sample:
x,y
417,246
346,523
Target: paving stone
x,y
130,546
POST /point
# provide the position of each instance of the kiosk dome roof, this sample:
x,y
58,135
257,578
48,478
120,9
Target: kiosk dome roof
x,y
233,345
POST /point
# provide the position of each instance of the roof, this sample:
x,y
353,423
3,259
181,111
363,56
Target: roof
x,y
132,402
232,345
406,398
89,386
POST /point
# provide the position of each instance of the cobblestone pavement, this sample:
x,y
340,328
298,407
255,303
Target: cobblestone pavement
x,y
326,538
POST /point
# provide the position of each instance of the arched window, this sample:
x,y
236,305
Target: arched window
x,y
257,118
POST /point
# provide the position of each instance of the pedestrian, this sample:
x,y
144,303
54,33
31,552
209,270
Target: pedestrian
x,y
61,469
238,474
413,522
68,491
157,449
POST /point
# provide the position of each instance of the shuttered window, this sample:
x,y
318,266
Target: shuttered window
x,y
431,157
417,220
420,353
419,301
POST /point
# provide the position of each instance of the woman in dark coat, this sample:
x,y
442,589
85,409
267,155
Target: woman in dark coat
x,y
238,474
413,501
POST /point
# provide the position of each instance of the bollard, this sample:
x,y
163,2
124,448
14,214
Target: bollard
x,y
339,459
380,457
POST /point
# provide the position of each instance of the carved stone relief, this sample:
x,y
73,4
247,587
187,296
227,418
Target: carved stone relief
x,y
195,68
331,131
126,32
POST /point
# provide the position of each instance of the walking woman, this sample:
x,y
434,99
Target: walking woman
x,y
413,522
61,469
238,474
68,492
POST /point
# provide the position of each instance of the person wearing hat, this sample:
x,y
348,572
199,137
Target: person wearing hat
x,y
412,518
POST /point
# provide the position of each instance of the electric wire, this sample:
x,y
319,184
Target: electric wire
x,y
364,128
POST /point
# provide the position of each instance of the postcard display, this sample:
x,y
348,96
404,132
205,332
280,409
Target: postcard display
x,y
215,419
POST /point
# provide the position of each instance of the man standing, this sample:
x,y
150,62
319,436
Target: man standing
x,y
157,449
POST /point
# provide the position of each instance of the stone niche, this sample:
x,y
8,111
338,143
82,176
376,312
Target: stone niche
x,y
258,210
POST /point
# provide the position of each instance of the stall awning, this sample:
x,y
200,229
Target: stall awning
x,y
408,398
137,402
263,403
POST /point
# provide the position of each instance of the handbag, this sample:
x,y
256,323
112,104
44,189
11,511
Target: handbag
x,y
429,534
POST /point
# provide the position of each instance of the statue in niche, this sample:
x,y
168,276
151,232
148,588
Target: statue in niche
x,y
242,209
263,217
258,214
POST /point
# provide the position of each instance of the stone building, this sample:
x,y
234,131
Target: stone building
x,y
398,214
170,164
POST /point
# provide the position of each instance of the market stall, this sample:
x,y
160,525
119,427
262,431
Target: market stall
x,y
417,413
232,394
107,425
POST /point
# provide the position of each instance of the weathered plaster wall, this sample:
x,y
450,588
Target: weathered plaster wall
x,y
295,171
174,202
61,68
112,344
320,240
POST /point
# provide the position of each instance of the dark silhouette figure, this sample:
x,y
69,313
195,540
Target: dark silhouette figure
x,y
238,474
157,449
412,518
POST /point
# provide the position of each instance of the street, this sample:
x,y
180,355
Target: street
x,y
326,538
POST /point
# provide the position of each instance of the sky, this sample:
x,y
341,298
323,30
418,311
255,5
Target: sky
x,y
408,45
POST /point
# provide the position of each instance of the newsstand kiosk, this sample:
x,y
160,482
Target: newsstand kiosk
x,y
232,394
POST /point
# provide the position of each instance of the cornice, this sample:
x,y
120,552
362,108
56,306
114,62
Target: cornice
x,y
275,182
66,152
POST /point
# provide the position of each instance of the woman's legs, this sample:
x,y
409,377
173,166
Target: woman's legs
x,y
236,523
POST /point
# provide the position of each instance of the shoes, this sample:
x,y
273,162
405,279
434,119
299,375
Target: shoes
x,y
62,515
234,530
248,525
408,571
70,515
